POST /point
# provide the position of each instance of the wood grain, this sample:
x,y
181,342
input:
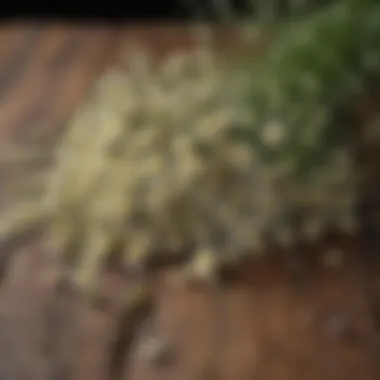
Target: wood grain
x,y
273,332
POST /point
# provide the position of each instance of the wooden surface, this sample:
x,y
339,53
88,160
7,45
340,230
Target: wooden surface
x,y
272,329
44,72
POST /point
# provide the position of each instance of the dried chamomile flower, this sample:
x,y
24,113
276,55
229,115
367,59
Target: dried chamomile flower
x,y
162,144
203,267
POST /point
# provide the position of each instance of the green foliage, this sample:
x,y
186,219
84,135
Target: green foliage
x,y
311,70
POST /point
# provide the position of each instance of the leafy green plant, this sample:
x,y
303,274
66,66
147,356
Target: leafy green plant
x,y
305,82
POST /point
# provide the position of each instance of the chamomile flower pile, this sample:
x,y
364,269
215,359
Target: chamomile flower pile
x,y
158,160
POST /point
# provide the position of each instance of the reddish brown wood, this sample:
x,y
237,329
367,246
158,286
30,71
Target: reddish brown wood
x,y
273,330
